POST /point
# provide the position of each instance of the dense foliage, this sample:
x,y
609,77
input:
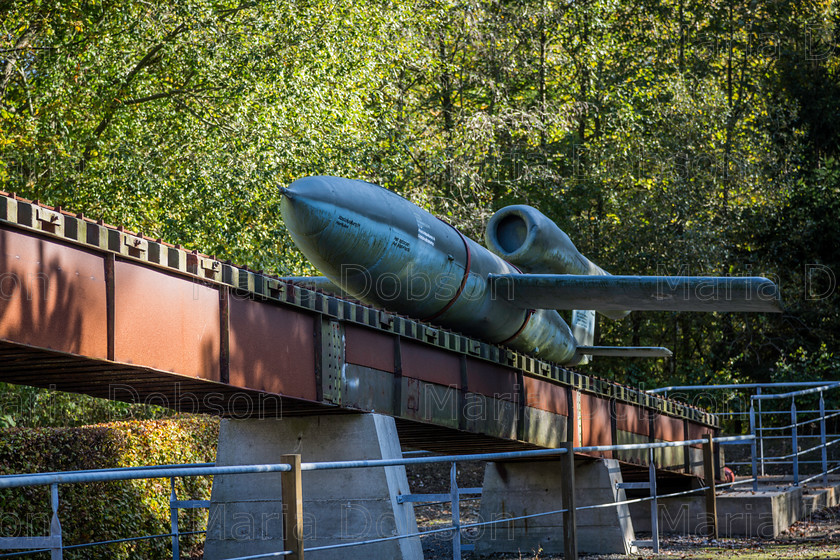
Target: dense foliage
x,y
665,136
31,407
108,510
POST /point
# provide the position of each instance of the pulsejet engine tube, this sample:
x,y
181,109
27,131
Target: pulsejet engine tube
x,y
388,252
525,237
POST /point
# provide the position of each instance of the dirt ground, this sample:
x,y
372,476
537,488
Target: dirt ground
x,y
818,537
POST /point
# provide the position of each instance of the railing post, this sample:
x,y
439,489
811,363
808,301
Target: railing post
x,y
709,479
752,447
57,549
794,441
173,521
822,441
568,489
456,511
654,506
760,434
291,492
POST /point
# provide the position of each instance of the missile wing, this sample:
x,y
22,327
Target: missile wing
x,y
560,277
626,351
647,293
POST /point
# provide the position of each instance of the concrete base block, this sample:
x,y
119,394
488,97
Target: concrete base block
x,y
815,499
763,514
339,506
523,488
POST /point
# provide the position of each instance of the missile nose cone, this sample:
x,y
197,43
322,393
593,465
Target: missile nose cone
x,y
307,205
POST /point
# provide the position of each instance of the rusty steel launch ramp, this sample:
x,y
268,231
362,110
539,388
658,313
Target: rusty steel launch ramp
x,y
94,309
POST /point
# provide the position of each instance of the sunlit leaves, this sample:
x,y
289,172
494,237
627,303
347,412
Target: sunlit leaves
x,y
181,120
665,136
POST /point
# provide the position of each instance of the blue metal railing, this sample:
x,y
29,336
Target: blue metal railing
x,y
53,543
759,460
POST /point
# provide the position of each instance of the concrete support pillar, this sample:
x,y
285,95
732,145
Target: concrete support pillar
x,y
339,506
524,488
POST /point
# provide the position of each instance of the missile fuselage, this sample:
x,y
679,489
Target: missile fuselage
x,y
389,252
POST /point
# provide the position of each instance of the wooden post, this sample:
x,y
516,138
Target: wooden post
x,y
291,492
709,475
568,489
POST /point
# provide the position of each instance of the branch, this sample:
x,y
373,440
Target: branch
x,y
167,94
151,58
53,48
233,11
201,119
8,68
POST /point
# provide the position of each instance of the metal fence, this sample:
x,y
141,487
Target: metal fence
x,y
783,427
291,469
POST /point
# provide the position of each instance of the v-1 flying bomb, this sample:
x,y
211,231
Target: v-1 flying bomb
x,y
386,251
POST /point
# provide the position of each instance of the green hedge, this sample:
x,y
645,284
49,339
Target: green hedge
x,y
108,510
